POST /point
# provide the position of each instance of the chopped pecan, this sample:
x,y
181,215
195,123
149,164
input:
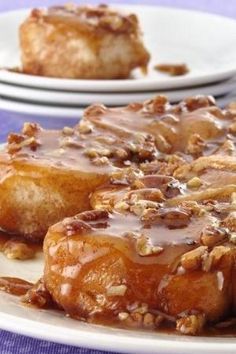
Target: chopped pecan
x,y
71,143
143,308
172,69
169,186
14,249
126,176
199,101
140,206
107,140
14,141
80,222
149,320
230,221
227,147
75,226
157,105
174,218
192,324
121,206
30,129
158,320
15,138
17,142
101,161
192,260
151,194
162,144
93,215
94,110
135,319
91,153
135,106
145,248
39,296
193,207
123,316
212,259
194,182
195,145
121,154
212,235
68,131
85,127
117,290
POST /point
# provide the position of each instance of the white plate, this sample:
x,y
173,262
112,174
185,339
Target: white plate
x,y
40,110
54,326
112,99
205,42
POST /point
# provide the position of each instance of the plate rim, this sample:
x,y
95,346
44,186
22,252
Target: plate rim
x,y
37,110
50,96
113,342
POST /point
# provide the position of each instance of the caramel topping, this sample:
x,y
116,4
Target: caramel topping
x,y
168,227
193,126
89,18
162,226
109,138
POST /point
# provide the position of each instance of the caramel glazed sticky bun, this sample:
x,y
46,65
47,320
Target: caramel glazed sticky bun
x,y
154,189
82,42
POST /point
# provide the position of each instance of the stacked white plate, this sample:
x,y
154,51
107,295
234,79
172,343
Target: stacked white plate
x,y
206,43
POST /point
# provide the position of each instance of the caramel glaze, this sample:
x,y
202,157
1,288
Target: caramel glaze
x,y
90,23
171,125
134,134
160,246
77,30
38,297
92,257
85,18
77,150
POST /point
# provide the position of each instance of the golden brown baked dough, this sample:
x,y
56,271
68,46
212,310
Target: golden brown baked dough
x,y
159,244
48,175
86,42
143,265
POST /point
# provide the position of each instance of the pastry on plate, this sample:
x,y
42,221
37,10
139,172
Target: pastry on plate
x,y
156,250
145,263
48,175
82,42
144,201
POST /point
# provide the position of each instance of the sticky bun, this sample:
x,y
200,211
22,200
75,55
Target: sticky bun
x,y
81,42
155,241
